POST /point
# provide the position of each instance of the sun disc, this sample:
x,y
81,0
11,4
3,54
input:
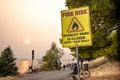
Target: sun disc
x,y
26,41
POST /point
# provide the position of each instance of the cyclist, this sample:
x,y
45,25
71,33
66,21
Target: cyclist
x,y
74,68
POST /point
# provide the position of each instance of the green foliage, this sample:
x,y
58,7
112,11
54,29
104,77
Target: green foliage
x,y
44,67
114,48
117,4
7,63
103,24
52,57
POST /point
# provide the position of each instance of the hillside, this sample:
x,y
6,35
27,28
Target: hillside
x,y
104,69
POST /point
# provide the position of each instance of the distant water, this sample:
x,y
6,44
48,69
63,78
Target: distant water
x,y
23,65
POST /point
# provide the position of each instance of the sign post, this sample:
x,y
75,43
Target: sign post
x,y
76,29
78,67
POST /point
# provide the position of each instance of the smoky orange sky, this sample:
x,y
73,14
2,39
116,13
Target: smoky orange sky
x,y
28,25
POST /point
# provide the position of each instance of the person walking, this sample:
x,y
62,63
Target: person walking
x,y
64,67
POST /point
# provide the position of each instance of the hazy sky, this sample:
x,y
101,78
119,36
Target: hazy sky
x,y
30,24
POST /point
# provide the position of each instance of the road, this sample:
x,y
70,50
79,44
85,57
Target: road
x,y
48,75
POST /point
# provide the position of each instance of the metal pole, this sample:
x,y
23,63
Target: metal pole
x,y
32,59
78,67
32,65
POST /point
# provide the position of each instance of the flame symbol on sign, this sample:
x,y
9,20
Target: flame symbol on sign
x,y
75,26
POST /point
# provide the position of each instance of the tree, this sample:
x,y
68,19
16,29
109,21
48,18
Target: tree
x,y
7,63
103,24
117,9
53,55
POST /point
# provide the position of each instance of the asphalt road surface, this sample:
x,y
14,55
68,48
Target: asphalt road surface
x,y
48,75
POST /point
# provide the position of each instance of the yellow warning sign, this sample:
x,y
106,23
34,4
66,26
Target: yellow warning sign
x,y
75,26
76,29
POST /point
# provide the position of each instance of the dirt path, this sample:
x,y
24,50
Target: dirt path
x,y
108,71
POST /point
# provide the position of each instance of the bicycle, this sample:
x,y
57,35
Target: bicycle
x,y
84,72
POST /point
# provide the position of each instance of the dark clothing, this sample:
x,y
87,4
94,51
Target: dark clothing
x,y
75,70
64,66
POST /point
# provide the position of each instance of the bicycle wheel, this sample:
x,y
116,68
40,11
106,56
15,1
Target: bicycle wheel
x,y
86,74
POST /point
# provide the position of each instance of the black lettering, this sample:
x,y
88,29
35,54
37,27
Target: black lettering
x,y
84,40
84,33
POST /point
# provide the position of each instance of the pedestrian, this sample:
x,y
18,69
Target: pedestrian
x,y
64,67
74,68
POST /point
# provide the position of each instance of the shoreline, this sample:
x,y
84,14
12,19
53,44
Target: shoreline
x,y
109,70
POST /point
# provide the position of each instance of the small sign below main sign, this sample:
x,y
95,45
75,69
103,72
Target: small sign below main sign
x,y
76,27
